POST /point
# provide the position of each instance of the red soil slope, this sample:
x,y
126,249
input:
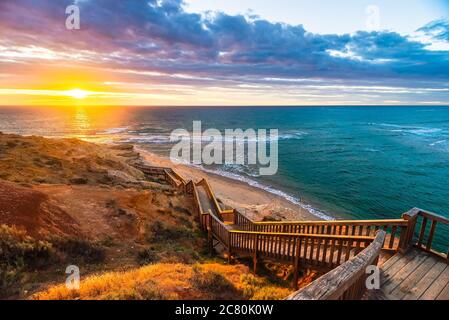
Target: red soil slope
x,y
33,211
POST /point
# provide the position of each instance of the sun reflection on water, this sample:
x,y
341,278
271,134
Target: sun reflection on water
x,y
81,119
91,123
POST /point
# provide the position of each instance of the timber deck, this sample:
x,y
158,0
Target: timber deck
x,y
416,275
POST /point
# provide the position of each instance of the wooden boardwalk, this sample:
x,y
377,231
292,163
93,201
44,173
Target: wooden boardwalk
x,y
205,202
416,275
411,269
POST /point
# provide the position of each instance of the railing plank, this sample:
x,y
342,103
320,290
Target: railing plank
x,y
344,281
338,227
392,237
431,233
422,232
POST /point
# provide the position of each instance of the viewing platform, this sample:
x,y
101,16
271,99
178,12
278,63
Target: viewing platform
x,y
415,275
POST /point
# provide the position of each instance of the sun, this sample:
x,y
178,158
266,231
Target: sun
x,y
77,93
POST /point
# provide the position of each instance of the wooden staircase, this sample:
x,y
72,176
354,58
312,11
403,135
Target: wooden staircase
x,y
343,248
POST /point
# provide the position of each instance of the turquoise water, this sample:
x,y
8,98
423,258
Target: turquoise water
x,y
342,162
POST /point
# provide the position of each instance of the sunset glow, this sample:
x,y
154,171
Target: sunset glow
x,y
171,53
77,93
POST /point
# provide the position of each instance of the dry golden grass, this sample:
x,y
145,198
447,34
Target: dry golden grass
x,y
41,160
171,281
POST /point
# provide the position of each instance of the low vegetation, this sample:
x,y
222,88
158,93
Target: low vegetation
x,y
19,253
147,256
42,160
158,231
79,251
171,281
212,282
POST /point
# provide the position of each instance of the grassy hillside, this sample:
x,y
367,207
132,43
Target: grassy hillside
x,y
172,281
67,202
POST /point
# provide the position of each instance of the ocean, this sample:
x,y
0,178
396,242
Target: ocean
x,y
337,162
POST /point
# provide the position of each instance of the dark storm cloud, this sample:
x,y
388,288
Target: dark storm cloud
x,y
162,36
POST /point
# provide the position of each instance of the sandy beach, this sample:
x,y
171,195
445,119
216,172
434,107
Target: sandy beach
x,y
256,203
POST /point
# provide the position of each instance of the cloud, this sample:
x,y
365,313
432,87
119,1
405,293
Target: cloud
x,y
438,29
159,36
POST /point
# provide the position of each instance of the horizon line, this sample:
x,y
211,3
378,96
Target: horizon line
x,y
228,106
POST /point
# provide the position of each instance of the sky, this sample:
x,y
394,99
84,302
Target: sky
x,y
331,16
208,52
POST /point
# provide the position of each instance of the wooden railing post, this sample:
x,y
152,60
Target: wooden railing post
x,y
210,239
229,247
406,240
256,246
296,264
166,176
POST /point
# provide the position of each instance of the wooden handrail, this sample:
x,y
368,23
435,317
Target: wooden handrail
x,y
178,176
170,179
346,282
197,204
220,231
210,194
334,222
316,250
190,187
242,221
396,228
434,216
171,176
151,169
321,236
425,224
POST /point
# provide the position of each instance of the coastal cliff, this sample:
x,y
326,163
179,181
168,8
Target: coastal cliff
x,y
69,202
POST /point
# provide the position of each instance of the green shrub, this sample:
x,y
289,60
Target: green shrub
x,y
211,282
270,293
148,291
18,253
147,256
255,288
158,231
250,284
182,210
80,249
9,280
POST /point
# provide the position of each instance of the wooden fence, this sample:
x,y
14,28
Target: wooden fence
x,y
346,282
424,234
396,229
320,251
